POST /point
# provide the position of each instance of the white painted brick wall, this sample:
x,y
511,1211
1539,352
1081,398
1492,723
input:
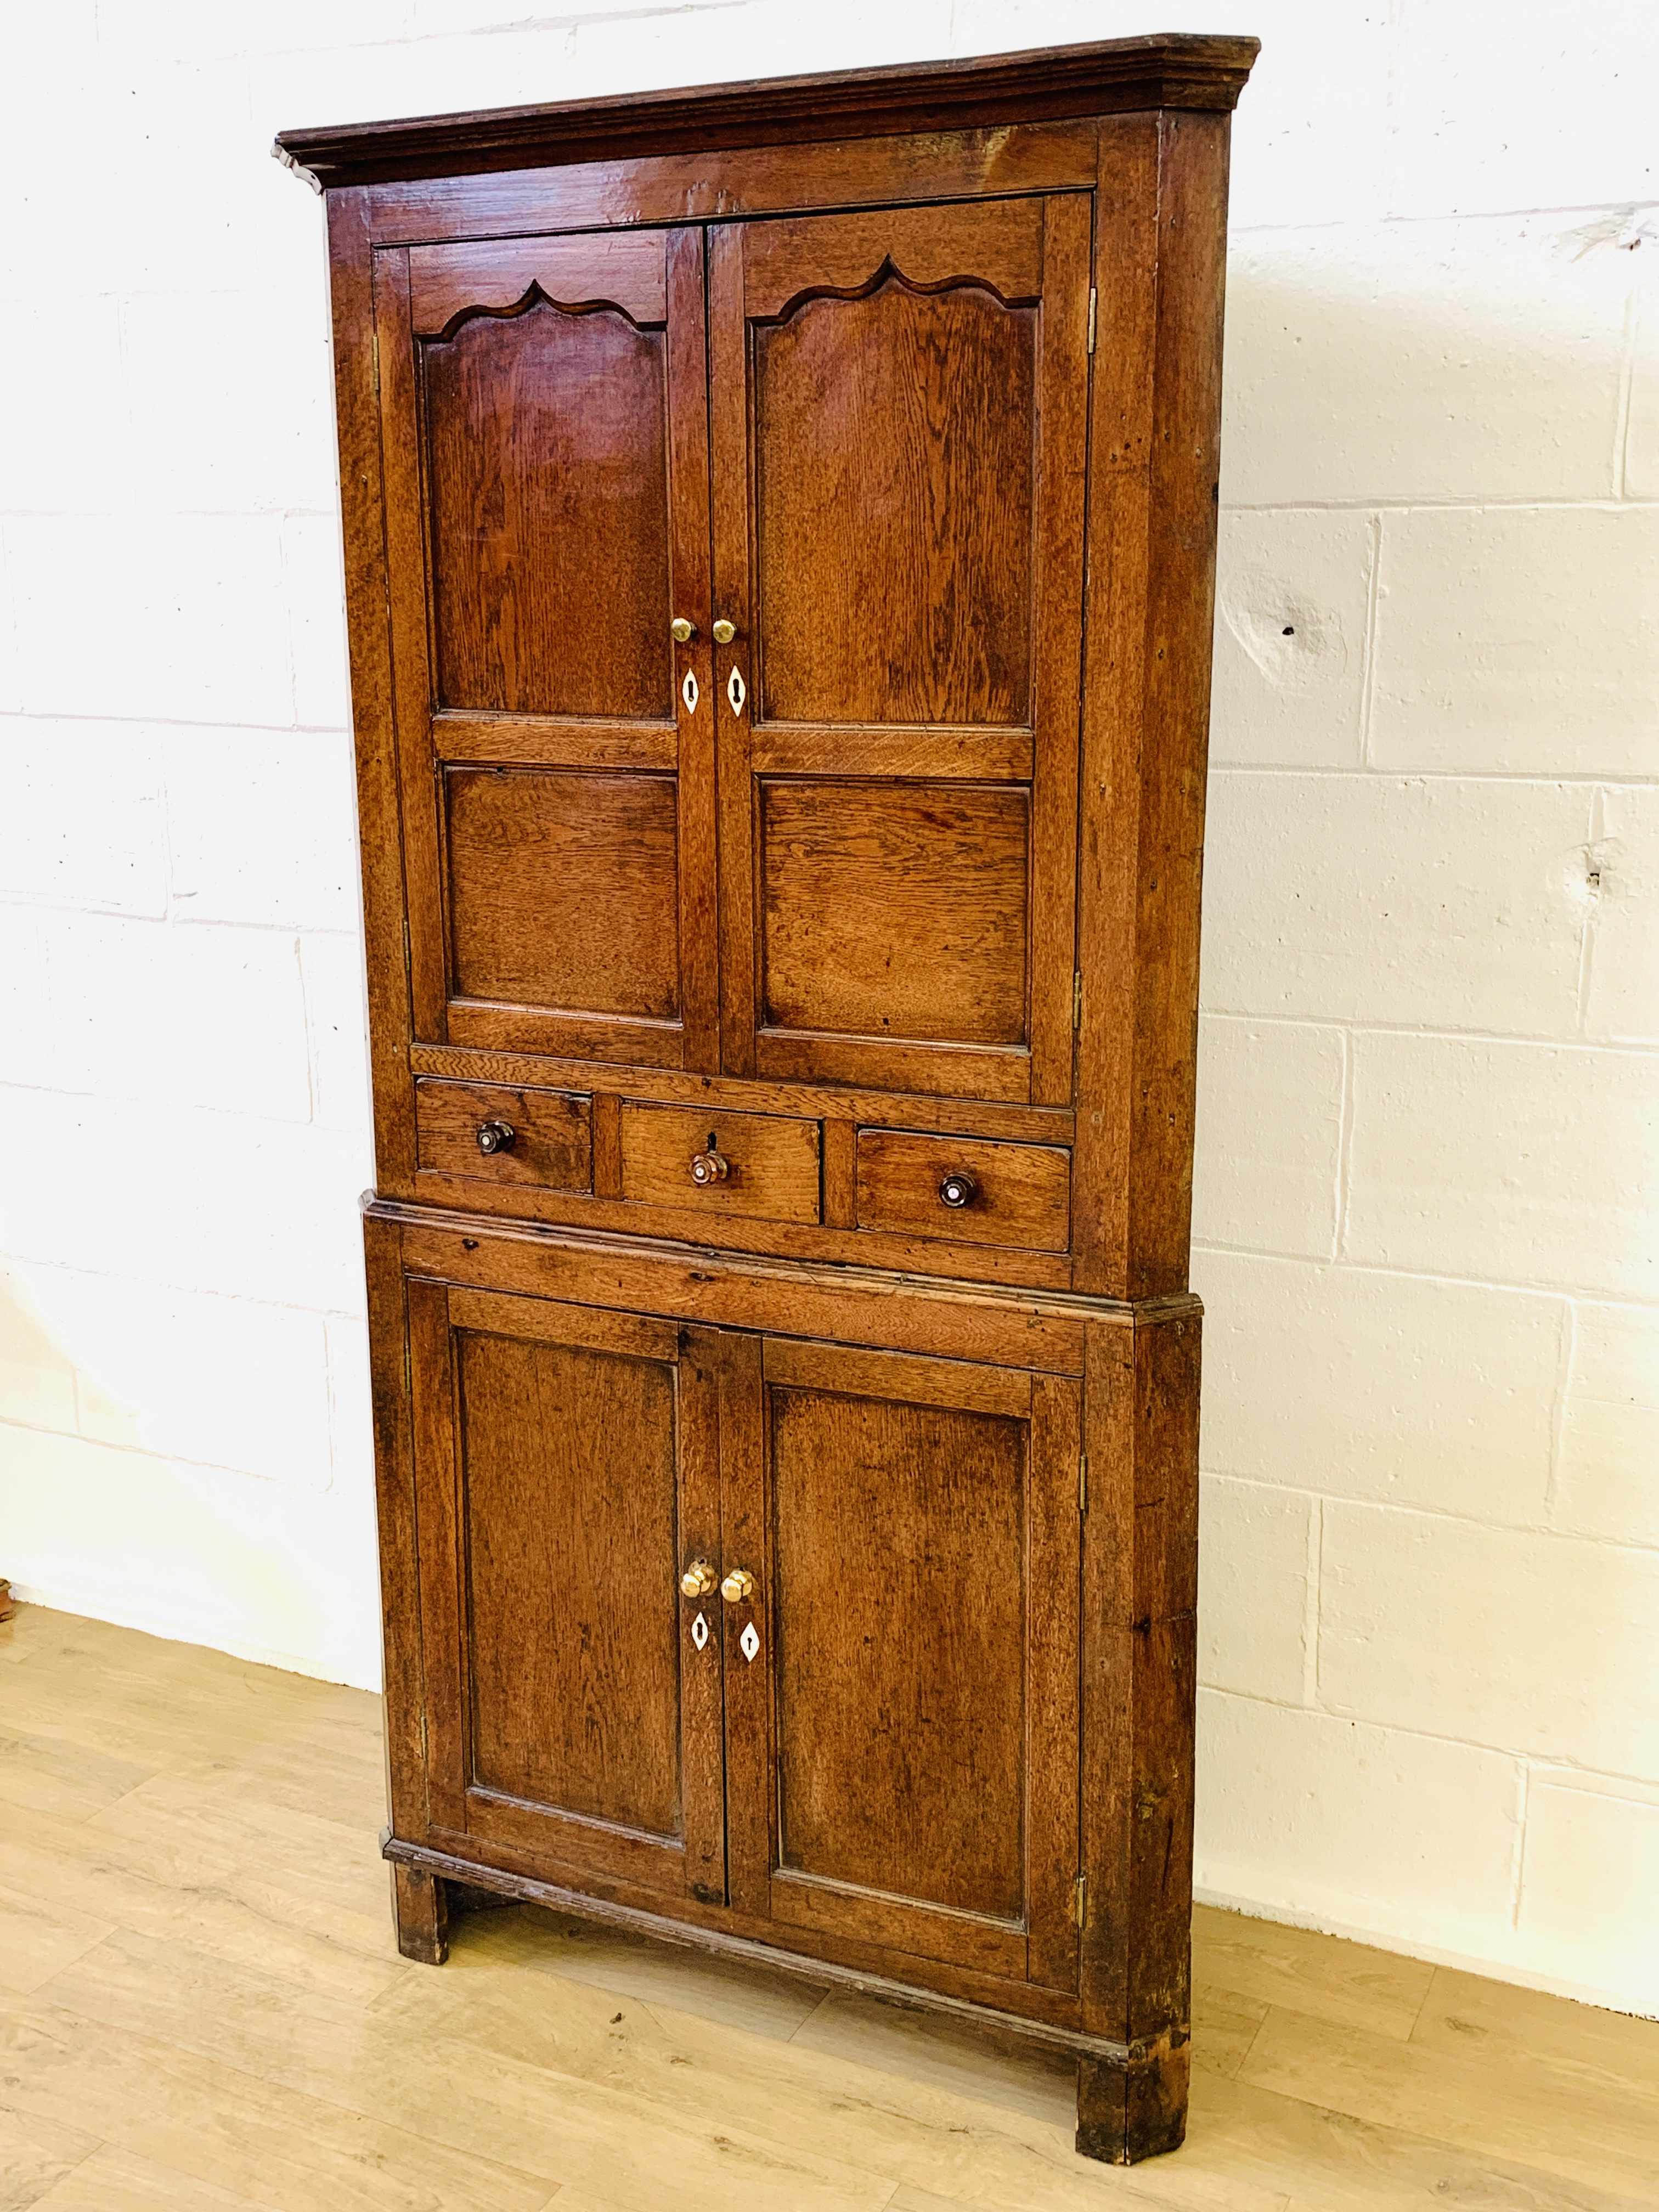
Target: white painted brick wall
x,y
1429,1080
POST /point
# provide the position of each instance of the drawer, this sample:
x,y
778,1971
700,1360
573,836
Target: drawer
x,y
771,1161
552,1143
1015,1194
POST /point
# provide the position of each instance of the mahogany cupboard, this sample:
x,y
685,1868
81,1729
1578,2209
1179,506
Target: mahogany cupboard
x,y
780,525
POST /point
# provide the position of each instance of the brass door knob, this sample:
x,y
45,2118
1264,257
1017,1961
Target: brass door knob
x,y
710,1167
958,1190
725,631
497,1136
698,1579
684,631
738,1586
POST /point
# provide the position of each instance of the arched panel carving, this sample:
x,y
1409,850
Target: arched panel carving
x,y
547,475
998,245
623,269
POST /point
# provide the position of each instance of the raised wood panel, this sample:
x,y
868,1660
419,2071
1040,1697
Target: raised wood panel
x,y
1022,1194
894,911
563,890
895,457
547,462
619,268
552,1144
569,1481
898,1614
772,1170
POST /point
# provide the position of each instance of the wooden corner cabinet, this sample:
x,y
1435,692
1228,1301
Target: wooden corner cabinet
x,y
780,526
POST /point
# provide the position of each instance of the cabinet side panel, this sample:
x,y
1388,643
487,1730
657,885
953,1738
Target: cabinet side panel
x,y
1146,725
1165,1660
394,1491
1185,470
362,497
1115,642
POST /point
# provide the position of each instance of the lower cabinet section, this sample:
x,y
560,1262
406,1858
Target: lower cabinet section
x,y
786,1612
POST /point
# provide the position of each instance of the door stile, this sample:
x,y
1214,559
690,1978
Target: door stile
x,y
751,1790
1063,400
689,562
1054,1538
702,1765
731,494
412,686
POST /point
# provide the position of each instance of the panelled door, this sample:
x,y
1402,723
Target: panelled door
x,y
783,1625
899,403
566,1461
544,411
902,1723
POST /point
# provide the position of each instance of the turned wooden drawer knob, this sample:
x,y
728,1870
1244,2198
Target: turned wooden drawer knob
x,y
497,1136
699,1579
710,1167
958,1190
738,1586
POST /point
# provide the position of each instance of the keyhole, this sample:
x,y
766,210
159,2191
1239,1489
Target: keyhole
x,y
714,1142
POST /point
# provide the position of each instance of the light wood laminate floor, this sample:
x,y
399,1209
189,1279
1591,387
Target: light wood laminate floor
x,y
202,2009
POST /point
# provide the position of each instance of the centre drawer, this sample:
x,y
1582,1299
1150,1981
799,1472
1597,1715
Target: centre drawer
x,y
968,1189
762,1164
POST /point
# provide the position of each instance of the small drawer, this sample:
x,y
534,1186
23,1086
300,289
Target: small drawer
x,y
771,1162
540,1137
966,1189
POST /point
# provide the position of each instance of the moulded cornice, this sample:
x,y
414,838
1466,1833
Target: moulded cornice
x,y
1049,84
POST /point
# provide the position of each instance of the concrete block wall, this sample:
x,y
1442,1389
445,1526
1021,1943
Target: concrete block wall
x,y
1425,1197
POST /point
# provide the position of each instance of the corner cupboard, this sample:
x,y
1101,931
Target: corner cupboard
x,y
780,523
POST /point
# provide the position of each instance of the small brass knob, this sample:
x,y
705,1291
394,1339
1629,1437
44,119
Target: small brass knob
x,y
725,631
684,631
698,1579
738,1586
958,1190
710,1167
497,1136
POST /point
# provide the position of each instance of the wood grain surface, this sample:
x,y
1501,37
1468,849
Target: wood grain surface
x,y
202,2010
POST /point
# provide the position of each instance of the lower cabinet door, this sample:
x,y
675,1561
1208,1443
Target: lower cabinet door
x,y
902,1712
566,1469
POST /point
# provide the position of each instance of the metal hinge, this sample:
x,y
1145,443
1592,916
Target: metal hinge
x,y
1092,318
1083,1482
1076,998
1080,1901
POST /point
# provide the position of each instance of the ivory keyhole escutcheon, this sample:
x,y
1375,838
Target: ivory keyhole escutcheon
x,y
735,694
689,692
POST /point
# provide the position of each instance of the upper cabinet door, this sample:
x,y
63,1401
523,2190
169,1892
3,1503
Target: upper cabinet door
x,y
544,405
899,409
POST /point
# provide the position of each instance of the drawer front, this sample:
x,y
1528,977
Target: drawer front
x,y
771,1161
1018,1195
550,1143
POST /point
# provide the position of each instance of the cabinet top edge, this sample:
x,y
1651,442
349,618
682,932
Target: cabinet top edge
x,y
1041,85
